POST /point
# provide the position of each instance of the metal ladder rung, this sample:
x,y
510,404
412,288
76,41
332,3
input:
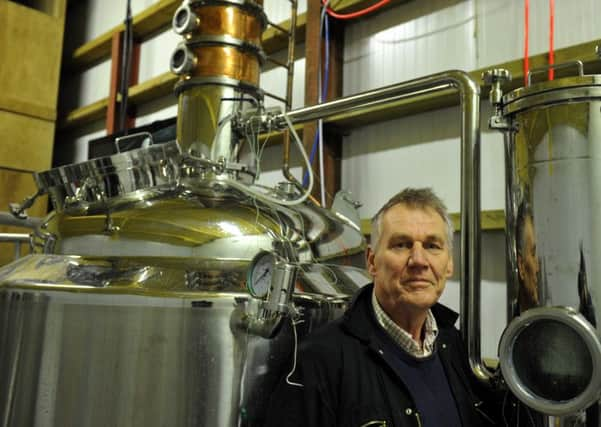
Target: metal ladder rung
x,y
279,98
279,63
281,29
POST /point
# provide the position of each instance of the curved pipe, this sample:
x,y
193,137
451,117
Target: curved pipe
x,y
469,93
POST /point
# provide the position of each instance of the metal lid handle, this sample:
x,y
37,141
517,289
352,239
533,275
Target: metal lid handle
x,y
556,67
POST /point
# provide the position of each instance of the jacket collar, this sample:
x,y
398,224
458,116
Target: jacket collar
x,y
359,319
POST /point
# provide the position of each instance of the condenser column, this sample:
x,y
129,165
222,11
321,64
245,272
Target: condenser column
x,y
218,62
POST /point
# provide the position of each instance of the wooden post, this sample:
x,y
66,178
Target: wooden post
x,y
313,52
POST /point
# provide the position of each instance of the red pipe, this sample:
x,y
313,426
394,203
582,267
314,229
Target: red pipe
x,y
358,13
551,36
526,25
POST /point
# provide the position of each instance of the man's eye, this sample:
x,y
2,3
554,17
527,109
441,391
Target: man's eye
x,y
403,245
433,245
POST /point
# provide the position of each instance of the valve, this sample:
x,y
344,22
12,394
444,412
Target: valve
x,y
495,78
184,20
183,60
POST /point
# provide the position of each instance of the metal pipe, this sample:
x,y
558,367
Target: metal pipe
x,y
14,237
7,218
469,92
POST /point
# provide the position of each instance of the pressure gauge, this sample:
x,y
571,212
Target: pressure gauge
x,y
260,272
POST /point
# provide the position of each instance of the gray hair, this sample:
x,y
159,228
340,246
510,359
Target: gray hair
x,y
416,198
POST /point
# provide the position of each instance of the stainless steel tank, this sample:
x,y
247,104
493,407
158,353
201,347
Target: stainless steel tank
x,y
550,353
134,310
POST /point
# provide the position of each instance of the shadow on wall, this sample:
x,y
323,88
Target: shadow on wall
x,y
492,256
432,126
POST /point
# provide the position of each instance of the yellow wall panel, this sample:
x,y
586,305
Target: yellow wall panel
x,y
30,52
26,142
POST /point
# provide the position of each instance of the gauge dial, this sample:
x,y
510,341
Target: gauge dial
x,y
258,280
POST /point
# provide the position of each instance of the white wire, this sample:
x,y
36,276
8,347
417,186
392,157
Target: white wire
x,y
269,199
322,185
294,356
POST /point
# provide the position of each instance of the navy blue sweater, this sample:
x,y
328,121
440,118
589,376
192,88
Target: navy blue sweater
x,y
427,382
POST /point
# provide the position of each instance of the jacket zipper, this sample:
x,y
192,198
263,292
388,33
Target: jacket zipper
x,y
477,407
419,419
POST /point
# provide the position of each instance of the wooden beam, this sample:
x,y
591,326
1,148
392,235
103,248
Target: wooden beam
x,y
145,25
84,115
163,85
313,54
584,52
157,18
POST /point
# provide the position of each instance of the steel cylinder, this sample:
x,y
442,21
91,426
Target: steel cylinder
x,y
550,353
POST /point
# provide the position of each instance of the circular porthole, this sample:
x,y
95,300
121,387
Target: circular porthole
x,y
551,360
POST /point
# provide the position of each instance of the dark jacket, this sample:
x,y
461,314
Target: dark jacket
x,y
350,381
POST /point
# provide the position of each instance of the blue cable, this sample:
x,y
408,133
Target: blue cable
x,y
324,93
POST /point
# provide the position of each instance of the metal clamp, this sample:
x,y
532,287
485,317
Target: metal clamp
x,y
18,210
146,142
81,193
578,64
495,78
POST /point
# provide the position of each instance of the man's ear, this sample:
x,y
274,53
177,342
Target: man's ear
x,y
450,267
370,261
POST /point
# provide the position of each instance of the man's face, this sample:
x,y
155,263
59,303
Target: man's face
x,y
528,267
412,261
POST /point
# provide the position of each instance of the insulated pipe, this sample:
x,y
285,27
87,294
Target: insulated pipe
x,y
469,93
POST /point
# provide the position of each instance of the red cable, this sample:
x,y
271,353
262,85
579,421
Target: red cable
x,y
526,65
358,13
551,36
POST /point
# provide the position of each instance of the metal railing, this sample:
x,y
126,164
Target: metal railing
x,y
17,238
7,218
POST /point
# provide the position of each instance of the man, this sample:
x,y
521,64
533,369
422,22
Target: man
x,y
394,358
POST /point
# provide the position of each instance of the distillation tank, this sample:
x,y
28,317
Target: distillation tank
x,y
550,353
160,288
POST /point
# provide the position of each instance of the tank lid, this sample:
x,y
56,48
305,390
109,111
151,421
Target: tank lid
x,y
550,92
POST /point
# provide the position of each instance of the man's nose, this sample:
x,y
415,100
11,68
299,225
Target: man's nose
x,y
417,257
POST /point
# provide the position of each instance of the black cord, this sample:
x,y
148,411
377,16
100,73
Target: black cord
x,y
125,68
